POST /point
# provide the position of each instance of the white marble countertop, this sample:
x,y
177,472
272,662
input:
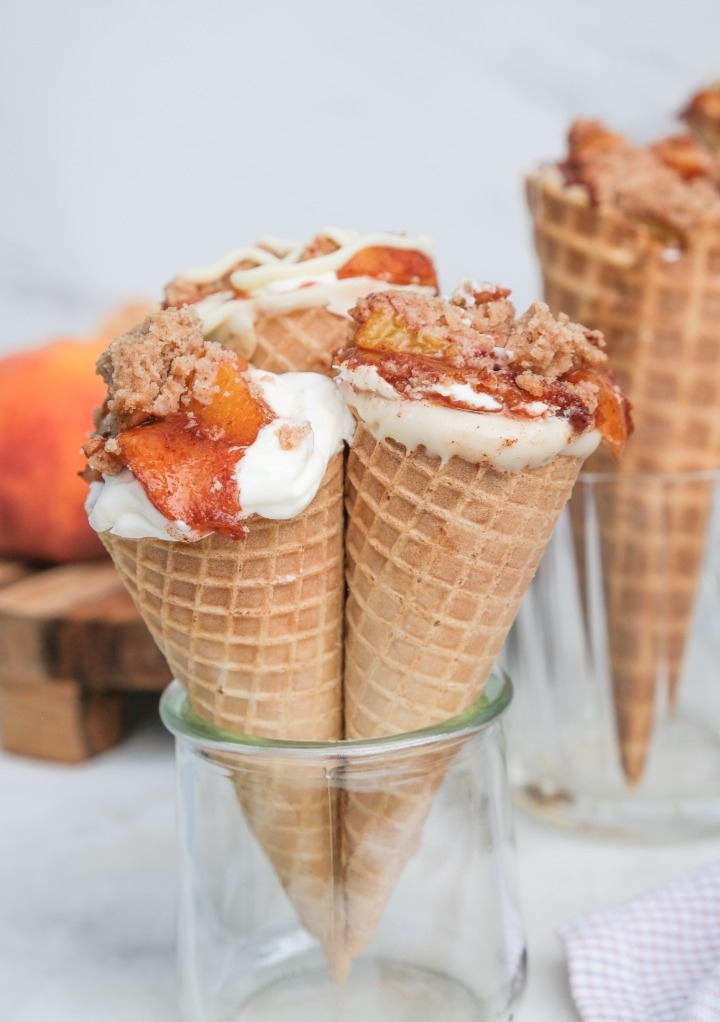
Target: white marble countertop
x,y
87,875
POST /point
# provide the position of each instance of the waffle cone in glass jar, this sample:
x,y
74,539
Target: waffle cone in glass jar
x,y
253,630
438,558
656,297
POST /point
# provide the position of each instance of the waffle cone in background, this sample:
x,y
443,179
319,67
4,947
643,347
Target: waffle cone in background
x,y
438,558
302,340
658,305
253,630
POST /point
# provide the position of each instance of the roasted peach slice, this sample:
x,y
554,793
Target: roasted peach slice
x,y
393,265
186,477
612,417
682,154
233,414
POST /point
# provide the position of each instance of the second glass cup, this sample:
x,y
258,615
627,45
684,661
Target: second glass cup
x,y
616,658
348,880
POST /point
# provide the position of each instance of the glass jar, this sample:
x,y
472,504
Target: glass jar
x,y
347,880
615,656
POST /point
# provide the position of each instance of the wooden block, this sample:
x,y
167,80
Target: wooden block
x,y
106,645
31,609
12,571
77,621
56,720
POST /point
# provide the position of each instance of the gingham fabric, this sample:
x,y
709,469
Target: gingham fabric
x,y
654,959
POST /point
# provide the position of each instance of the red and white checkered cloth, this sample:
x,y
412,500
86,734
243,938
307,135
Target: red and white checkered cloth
x,y
654,959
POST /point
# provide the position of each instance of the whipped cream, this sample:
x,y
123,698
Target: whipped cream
x,y
281,284
274,480
507,443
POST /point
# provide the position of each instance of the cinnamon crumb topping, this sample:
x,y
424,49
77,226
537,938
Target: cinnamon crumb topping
x,y
181,291
157,367
290,437
102,458
473,348
320,245
550,346
672,184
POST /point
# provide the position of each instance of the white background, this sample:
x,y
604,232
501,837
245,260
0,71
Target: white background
x,y
143,136
146,135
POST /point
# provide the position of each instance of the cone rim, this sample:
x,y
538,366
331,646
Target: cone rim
x,y
181,720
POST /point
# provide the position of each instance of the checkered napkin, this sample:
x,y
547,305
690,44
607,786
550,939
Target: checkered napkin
x,y
654,959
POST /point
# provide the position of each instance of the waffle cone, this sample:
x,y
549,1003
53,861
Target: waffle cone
x,y
659,308
303,340
438,558
253,630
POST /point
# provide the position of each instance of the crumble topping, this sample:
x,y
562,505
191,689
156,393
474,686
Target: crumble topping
x,y
473,353
673,183
156,368
181,291
478,328
290,437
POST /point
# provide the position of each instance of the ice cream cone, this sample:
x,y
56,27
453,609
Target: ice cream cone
x,y
253,629
438,557
302,340
656,297
283,305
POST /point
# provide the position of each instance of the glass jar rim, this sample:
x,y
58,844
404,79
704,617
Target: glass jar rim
x,y
181,720
711,475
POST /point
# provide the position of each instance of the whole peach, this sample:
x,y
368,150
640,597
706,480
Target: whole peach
x,y
47,396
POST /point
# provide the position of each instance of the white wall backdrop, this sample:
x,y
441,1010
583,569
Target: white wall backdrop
x,y
143,136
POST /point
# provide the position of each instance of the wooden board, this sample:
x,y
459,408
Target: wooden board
x,y
72,647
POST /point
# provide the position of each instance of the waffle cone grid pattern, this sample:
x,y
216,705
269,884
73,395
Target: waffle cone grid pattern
x,y
659,307
303,340
437,560
253,630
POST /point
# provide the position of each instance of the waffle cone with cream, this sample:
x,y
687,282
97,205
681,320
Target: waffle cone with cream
x,y
439,552
253,630
438,558
246,606
283,305
651,283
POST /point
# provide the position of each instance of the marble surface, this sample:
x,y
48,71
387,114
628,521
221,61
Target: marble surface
x,y
87,874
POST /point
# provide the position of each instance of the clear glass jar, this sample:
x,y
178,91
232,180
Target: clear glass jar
x,y
348,880
615,656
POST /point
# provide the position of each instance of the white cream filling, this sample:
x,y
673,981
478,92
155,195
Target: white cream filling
x,y
277,483
120,505
226,318
280,283
273,482
508,443
464,394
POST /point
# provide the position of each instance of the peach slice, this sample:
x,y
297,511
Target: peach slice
x,y
682,154
394,265
186,477
612,417
233,414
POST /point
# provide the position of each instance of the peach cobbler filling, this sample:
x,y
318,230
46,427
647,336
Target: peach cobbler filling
x,y
185,458
536,365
